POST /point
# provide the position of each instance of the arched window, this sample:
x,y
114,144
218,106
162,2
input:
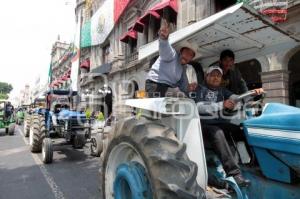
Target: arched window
x,y
294,80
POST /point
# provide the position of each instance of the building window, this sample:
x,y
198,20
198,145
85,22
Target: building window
x,y
223,4
132,45
154,24
105,54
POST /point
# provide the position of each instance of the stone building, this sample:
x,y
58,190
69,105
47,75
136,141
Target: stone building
x,y
115,72
60,66
25,96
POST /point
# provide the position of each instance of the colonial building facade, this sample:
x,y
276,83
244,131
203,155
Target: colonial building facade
x,y
60,66
111,71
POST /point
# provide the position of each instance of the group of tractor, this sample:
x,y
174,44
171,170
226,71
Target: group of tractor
x,y
9,116
51,118
159,151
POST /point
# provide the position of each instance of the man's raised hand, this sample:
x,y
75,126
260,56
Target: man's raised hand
x,y
164,30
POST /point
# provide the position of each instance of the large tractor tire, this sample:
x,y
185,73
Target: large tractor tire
x,y
37,133
11,129
96,147
79,141
27,123
144,159
47,151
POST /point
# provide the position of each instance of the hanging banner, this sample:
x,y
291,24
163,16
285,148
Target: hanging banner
x,y
86,40
75,59
102,23
97,29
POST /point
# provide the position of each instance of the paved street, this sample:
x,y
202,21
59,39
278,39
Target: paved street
x,y
73,173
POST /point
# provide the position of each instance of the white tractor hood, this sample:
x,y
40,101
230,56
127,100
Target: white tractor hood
x,y
239,28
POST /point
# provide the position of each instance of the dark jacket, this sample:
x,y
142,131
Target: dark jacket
x,y
210,103
234,82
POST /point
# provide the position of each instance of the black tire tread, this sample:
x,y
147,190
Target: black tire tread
x,y
48,150
11,129
170,171
28,123
39,132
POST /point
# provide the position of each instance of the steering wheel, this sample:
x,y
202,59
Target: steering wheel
x,y
240,100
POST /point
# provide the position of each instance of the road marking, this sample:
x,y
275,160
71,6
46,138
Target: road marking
x,y
58,194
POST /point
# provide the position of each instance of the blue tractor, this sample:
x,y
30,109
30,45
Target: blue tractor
x,y
57,121
159,152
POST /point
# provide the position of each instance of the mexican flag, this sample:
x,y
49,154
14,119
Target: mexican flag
x,y
50,74
97,29
75,58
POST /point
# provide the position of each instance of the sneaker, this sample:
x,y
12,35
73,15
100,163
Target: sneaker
x,y
241,181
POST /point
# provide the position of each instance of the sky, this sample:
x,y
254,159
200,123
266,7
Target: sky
x,y
28,30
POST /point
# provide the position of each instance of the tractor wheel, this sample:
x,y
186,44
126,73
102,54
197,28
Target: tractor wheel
x,y
144,159
79,141
11,129
37,133
27,122
47,151
96,145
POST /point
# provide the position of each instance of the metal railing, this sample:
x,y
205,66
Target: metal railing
x,y
131,58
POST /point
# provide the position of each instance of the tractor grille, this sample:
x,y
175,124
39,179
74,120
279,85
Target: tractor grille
x,y
77,121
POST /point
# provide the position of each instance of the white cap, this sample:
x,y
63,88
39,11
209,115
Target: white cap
x,y
189,45
212,68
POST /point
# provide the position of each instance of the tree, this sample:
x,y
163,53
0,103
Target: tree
x,y
5,89
3,96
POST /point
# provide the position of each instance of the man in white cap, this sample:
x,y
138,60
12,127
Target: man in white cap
x,y
211,98
169,70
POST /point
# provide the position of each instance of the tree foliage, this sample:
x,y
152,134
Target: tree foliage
x,y
3,96
5,89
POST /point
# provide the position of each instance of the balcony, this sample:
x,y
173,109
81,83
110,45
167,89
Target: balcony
x,y
131,59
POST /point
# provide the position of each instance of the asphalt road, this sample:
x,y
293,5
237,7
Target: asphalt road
x,y
73,173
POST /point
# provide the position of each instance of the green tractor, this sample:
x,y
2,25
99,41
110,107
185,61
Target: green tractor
x,y
20,115
7,121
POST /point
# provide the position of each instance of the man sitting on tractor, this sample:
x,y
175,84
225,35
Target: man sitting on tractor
x,y
8,110
232,78
169,70
211,99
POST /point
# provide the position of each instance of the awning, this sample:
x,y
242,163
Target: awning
x,y
62,92
146,17
65,77
238,28
103,69
85,64
138,26
131,34
156,12
144,20
165,4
